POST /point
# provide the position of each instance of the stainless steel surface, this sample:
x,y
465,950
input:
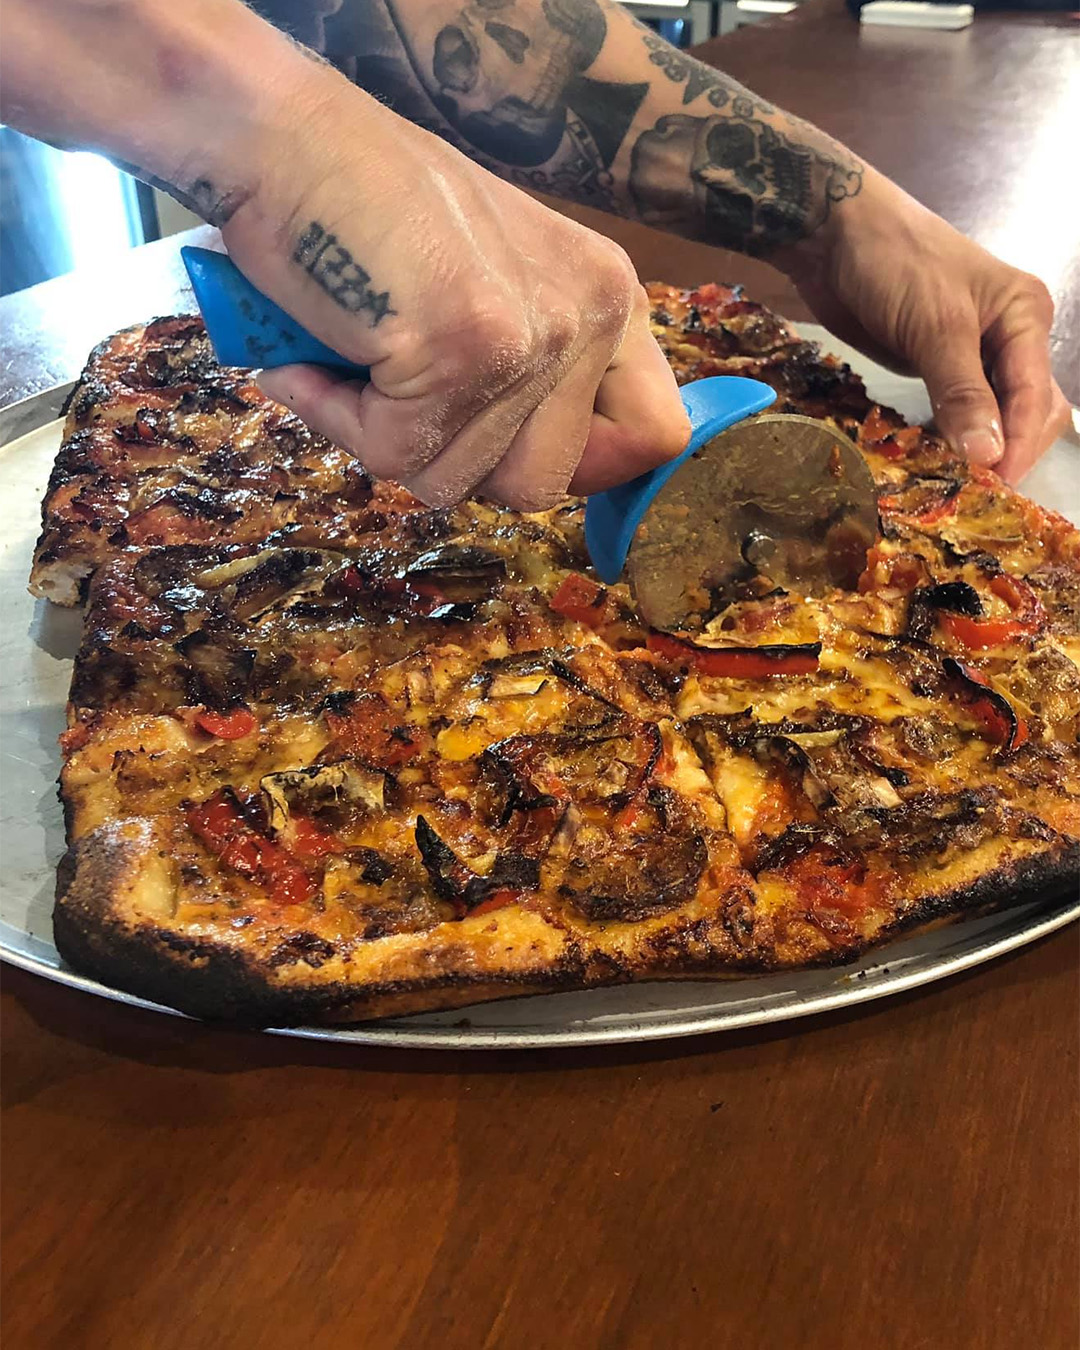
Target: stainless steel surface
x,y
18,419
41,639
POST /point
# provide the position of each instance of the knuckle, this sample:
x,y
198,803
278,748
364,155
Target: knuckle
x,y
672,437
615,287
956,319
495,342
962,392
1038,295
539,490
561,329
530,499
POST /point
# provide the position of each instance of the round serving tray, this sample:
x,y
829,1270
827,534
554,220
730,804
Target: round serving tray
x,y
38,641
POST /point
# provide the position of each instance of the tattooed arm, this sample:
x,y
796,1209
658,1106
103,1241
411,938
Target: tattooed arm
x,y
509,347
512,362
575,98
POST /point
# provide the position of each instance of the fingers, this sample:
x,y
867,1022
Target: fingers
x,y
537,468
639,420
1016,464
965,407
599,419
1019,352
326,402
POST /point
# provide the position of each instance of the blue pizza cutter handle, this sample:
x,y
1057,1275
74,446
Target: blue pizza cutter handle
x,y
612,517
248,329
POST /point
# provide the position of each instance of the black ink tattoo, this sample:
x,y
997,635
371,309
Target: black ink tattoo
x,y
512,40
737,181
509,81
578,173
332,267
215,205
700,79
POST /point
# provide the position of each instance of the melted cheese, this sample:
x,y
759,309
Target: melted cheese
x,y
742,783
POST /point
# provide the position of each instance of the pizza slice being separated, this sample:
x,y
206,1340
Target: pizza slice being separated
x,y
333,755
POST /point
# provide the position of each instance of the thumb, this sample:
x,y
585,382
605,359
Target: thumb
x,y
964,405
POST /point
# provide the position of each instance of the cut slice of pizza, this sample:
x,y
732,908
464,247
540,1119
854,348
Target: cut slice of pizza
x,y
163,446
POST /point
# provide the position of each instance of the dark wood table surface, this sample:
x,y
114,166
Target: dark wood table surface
x,y
902,1176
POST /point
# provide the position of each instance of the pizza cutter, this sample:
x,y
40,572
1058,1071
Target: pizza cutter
x,y
758,501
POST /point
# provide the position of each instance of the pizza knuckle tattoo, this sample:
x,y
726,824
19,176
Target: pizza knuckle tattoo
x,y
332,267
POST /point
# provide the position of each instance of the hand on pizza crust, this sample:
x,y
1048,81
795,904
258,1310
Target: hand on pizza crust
x,y
899,282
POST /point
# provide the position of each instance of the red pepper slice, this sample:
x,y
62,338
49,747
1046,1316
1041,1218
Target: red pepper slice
x,y
935,513
713,293
630,812
496,900
977,634
738,663
219,823
899,442
216,820
367,727
308,841
580,598
74,738
895,570
1021,598
946,507
228,726
1000,720
877,427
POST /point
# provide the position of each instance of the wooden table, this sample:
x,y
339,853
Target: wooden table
x,y
906,1175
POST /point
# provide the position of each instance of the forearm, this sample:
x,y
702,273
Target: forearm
x,y
189,96
575,98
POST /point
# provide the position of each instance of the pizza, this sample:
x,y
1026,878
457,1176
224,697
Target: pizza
x,y
333,755
162,446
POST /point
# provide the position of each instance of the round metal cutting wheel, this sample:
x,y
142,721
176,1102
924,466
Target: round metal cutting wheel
x,y
777,501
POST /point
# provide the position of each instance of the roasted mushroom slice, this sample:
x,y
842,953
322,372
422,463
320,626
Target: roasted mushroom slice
x,y
218,667
627,877
453,881
344,783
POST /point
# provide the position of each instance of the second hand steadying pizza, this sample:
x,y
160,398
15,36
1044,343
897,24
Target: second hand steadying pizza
x,y
756,501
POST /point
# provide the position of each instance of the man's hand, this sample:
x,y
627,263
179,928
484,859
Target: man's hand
x,y
509,347
895,280
584,102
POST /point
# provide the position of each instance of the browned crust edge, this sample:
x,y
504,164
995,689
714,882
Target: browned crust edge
x,y
206,979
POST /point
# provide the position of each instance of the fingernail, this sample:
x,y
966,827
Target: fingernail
x,y
984,446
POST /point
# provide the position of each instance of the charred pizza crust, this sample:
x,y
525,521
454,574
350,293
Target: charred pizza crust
x,y
110,923
338,756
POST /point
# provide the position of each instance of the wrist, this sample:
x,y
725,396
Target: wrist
x,y
228,119
848,223
197,98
